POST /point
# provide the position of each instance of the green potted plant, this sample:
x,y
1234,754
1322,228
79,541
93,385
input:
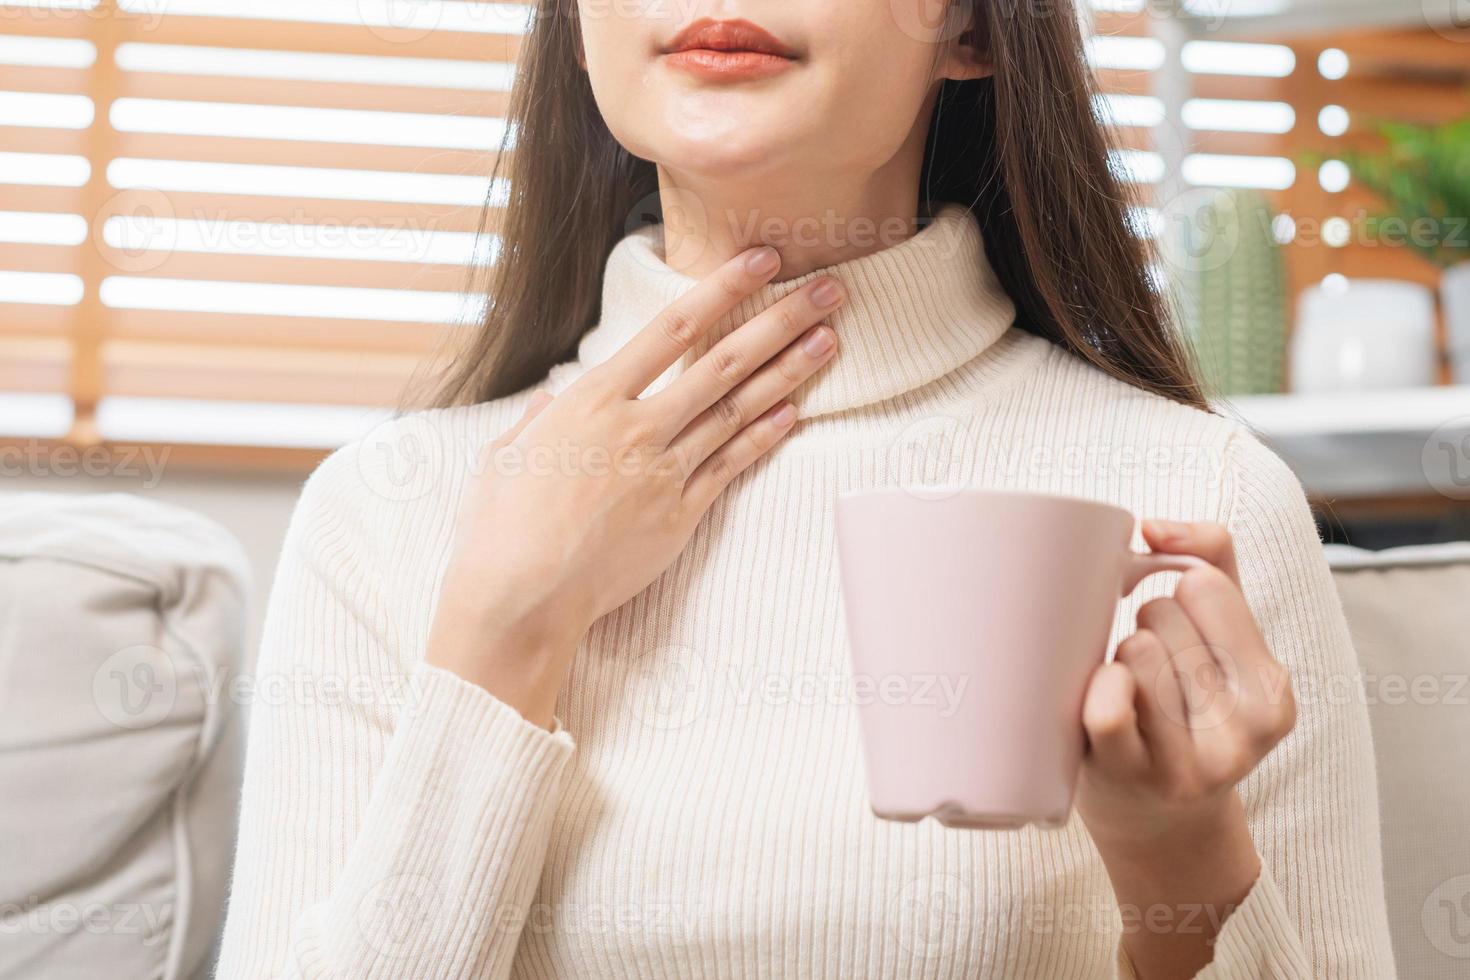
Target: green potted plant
x,y
1423,176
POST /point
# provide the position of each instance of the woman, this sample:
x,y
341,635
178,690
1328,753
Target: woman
x,y
570,652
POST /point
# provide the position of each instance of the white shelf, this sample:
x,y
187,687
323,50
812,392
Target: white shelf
x,y
1370,443
1407,410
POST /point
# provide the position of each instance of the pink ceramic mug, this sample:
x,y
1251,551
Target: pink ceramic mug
x,y
975,620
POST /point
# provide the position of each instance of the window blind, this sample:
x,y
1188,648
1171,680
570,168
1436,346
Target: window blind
x,y
213,211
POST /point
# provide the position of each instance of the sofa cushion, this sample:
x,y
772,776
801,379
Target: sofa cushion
x,y
1409,611
119,742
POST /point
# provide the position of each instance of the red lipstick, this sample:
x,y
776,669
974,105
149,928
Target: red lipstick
x,y
728,50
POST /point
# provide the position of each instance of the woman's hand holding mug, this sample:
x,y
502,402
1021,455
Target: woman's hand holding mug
x,y
593,493
1007,600
1191,704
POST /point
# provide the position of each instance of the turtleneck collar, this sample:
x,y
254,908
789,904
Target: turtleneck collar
x,y
915,311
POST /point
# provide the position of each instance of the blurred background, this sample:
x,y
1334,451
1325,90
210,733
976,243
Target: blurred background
x,y
230,230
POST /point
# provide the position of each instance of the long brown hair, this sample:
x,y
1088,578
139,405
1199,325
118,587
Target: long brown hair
x,y
1021,148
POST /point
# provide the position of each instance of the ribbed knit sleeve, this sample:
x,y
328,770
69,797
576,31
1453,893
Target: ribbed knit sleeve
x,y
395,818
1317,911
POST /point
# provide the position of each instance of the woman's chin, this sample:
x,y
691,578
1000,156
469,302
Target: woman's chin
x,y
744,153
720,134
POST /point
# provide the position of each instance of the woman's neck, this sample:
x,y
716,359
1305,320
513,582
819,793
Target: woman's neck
x,y
706,223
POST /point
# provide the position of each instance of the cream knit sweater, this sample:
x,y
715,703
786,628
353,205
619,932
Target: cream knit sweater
x,y
702,811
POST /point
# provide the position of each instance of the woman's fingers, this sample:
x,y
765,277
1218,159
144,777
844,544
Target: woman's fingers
x,y
1262,706
1110,716
1206,699
1159,702
735,456
1194,667
674,331
1203,539
741,353
782,375
1260,688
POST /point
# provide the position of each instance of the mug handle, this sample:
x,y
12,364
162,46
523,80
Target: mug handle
x,y
1142,565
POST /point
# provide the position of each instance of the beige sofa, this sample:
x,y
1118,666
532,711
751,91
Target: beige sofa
x,y
1409,611
120,753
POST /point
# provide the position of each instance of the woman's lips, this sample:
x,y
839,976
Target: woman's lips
x,y
728,50
730,65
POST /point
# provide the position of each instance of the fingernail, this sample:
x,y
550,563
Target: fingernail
x,y
818,342
826,293
763,261
785,415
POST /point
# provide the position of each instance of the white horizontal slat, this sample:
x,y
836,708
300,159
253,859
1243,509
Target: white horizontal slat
x,y
274,299
41,228
1125,53
354,126
44,169
51,4
1239,116
288,240
40,288
263,180
1213,12
35,416
1237,58
200,422
47,52
45,110
419,15
1142,111
183,59
1223,170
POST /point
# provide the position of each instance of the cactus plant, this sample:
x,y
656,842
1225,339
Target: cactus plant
x,y
1230,287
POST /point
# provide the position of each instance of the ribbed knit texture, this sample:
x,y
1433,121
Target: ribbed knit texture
x,y
711,820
